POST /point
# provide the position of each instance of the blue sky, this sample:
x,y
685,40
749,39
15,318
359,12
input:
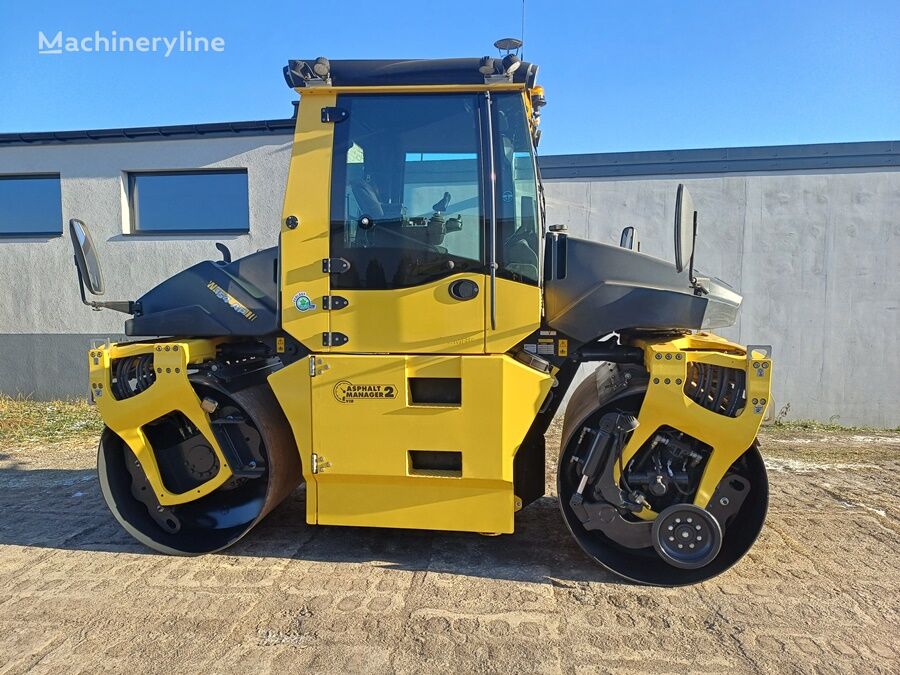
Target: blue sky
x,y
619,75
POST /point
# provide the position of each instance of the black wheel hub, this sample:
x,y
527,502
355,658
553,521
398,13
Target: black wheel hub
x,y
687,536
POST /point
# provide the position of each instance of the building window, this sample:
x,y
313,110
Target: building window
x,y
184,202
30,206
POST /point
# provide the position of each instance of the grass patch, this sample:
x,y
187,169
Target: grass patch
x,y
795,426
27,423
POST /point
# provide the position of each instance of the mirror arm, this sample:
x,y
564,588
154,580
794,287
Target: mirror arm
x,y
699,289
124,306
693,250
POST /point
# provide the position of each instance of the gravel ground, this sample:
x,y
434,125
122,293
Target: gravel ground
x,y
818,593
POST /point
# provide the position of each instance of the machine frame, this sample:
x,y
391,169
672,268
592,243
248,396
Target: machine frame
x,y
425,405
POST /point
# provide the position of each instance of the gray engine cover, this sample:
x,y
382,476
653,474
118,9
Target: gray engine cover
x,y
593,289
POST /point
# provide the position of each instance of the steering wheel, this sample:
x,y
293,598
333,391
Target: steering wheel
x,y
368,223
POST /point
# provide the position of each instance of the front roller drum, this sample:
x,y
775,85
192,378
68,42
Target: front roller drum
x,y
221,518
687,544
684,544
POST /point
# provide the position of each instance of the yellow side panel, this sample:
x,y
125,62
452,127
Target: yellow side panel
x,y
291,386
365,424
667,405
423,318
518,314
171,392
303,248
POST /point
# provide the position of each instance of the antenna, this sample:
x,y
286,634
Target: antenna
x,y
523,30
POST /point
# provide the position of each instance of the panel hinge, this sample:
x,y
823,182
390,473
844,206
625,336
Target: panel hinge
x,y
317,366
335,265
318,464
334,302
334,339
334,114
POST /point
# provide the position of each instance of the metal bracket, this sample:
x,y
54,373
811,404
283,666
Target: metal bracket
x,y
606,518
235,449
765,349
728,497
334,114
334,339
334,302
335,265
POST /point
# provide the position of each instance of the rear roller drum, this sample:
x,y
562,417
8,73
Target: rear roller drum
x,y
219,519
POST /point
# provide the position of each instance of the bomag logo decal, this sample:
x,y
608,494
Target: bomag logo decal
x,y
231,301
347,392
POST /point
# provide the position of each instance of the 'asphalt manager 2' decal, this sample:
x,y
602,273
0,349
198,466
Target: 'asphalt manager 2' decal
x,y
347,392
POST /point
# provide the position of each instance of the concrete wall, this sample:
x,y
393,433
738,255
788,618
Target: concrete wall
x,y
816,254
44,328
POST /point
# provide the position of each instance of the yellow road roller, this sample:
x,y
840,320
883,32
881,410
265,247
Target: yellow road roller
x,y
405,346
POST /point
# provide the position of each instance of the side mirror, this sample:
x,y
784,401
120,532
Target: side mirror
x,y
627,238
685,225
86,262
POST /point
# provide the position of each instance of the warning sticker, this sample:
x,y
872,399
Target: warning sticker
x,y
348,392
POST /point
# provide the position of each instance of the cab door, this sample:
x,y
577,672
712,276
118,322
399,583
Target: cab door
x,y
407,237
513,304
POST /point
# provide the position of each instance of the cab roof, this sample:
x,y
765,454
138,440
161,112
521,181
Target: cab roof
x,y
402,72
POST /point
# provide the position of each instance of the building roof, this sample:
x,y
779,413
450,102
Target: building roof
x,y
765,158
819,156
161,133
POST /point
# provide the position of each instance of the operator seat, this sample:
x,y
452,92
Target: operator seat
x,y
386,217
367,197
521,258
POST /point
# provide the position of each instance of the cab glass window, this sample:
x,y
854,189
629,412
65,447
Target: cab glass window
x,y
407,204
518,230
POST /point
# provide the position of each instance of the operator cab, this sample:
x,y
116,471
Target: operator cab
x,y
410,196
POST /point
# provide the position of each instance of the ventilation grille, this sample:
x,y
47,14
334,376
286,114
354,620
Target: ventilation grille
x,y
719,389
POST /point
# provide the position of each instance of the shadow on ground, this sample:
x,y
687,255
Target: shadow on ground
x,y
63,509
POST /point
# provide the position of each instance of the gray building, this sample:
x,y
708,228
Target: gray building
x,y
809,234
